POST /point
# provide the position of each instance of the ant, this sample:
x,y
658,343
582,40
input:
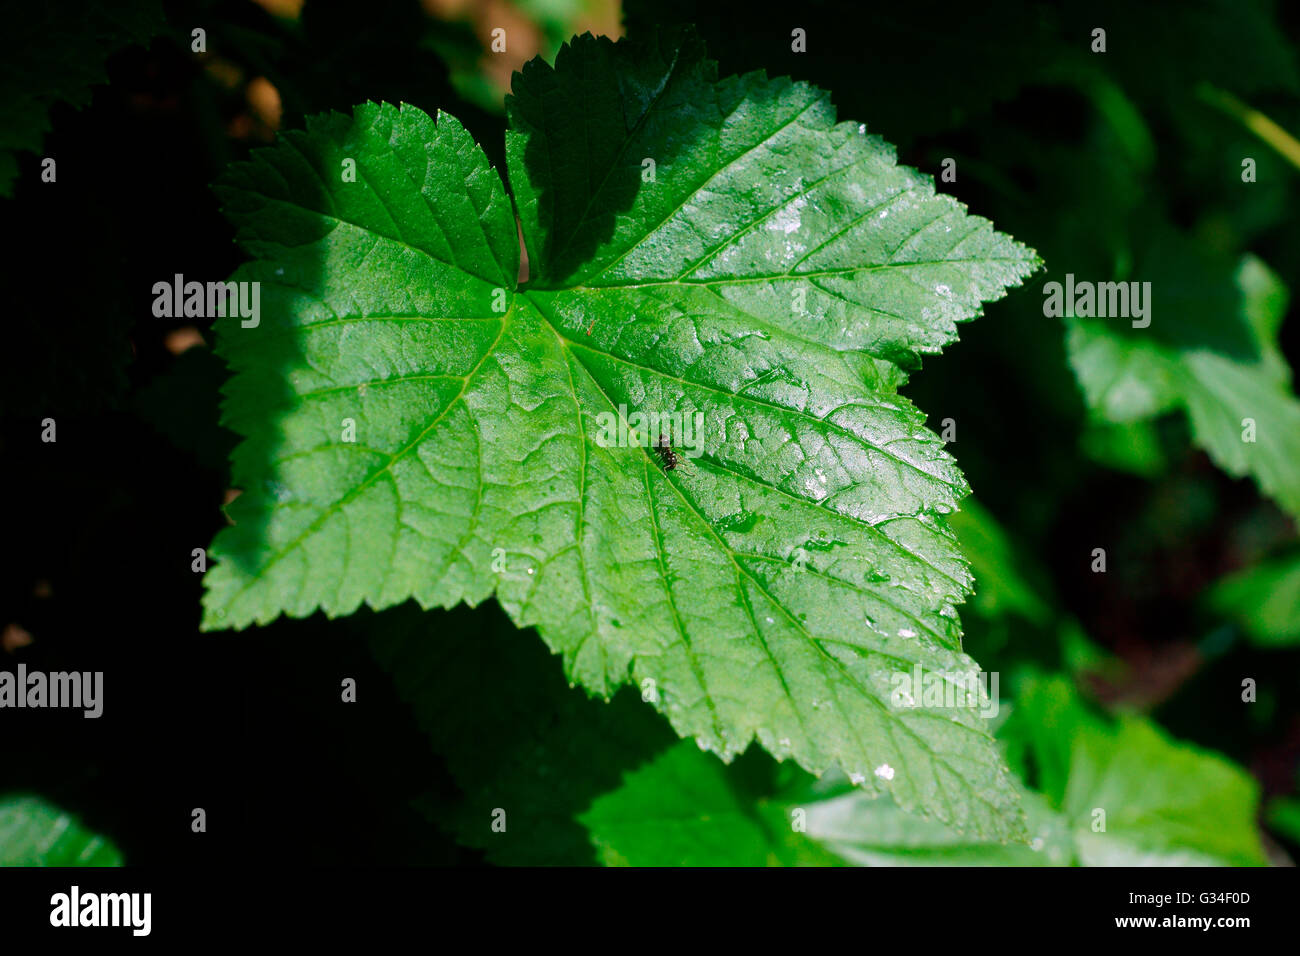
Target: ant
x,y
666,453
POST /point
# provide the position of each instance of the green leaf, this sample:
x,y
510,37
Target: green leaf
x,y
1265,599
681,810
1165,803
866,832
768,280
1129,446
36,833
55,54
1211,354
685,809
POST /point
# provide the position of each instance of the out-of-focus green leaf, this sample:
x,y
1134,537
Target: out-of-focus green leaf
x,y
1264,599
1162,802
1127,446
866,832
1236,392
1284,817
1166,803
1000,587
36,833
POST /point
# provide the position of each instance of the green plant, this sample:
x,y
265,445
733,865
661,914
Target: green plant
x,y
567,431
714,252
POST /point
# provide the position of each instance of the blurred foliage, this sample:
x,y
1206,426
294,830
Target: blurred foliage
x,y
33,833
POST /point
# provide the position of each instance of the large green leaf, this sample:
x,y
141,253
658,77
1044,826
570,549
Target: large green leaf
x,y
770,279
35,833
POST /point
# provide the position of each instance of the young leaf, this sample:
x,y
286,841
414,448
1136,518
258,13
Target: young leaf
x,y
418,425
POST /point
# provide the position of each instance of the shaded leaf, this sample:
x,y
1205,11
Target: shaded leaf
x,y
56,54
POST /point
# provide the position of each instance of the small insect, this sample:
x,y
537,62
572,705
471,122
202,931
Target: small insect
x,y
666,453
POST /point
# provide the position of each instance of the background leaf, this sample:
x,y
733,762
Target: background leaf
x,y
1265,599
1224,369
36,833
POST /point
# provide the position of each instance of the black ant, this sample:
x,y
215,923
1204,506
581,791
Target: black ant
x,y
666,453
